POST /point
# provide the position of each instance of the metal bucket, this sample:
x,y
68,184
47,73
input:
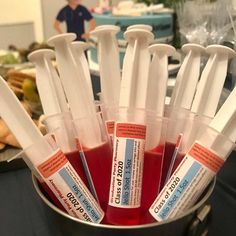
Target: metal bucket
x,y
192,223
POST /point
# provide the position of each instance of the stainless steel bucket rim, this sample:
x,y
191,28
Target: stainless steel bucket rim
x,y
143,226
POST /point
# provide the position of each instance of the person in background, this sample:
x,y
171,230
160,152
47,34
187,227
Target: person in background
x,y
75,15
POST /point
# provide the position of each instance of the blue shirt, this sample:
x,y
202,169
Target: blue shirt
x,y
75,19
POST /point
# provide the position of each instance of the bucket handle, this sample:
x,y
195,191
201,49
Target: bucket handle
x,y
198,226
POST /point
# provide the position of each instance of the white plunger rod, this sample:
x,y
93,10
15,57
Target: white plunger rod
x,y
44,81
109,63
225,119
76,90
134,84
79,48
158,77
187,77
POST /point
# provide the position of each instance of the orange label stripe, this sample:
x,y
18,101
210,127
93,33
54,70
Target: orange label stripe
x,y
110,127
53,164
206,157
127,130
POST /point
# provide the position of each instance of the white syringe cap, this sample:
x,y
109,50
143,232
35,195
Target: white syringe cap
x,y
140,26
105,29
219,49
41,53
133,34
193,47
80,45
162,48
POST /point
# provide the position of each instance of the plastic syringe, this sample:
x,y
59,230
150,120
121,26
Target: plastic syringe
x,y
212,81
187,77
52,97
157,86
158,76
49,84
76,90
109,66
55,101
93,144
56,82
156,127
133,93
48,160
199,166
130,131
183,93
44,81
206,98
58,119
181,100
208,91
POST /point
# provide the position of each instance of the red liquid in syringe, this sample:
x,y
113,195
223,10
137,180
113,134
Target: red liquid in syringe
x,y
76,162
116,215
50,195
152,169
168,153
99,161
126,176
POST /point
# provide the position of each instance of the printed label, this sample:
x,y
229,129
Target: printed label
x,y
206,157
52,165
70,190
110,130
110,127
187,183
127,166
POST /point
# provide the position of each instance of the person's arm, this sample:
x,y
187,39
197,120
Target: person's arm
x,y
57,26
59,19
92,25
